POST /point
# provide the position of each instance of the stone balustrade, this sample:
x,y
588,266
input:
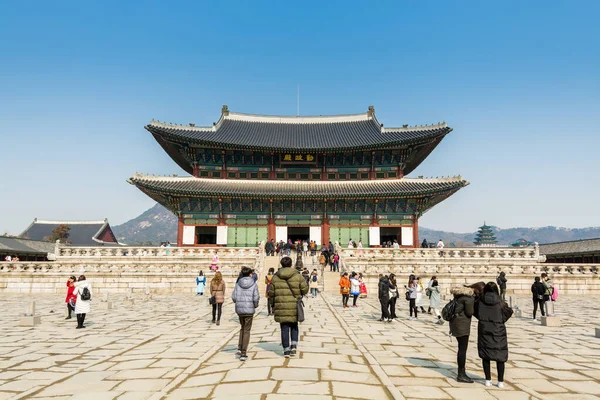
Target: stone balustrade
x,y
486,268
469,254
78,252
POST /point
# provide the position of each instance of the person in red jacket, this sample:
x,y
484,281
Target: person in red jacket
x,y
71,296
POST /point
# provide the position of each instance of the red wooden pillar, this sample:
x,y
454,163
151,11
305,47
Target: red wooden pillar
x,y
271,229
325,226
325,231
224,168
195,170
415,231
372,171
272,174
179,232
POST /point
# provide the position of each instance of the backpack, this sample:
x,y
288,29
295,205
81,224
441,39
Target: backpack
x,y
449,310
86,295
314,278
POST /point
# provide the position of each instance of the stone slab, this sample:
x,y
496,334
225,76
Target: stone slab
x,y
30,320
550,321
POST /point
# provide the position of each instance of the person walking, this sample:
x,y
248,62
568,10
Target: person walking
x,y
288,286
314,283
501,281
420,290
460,328
393,296
83,290
412,297
268,283
492,341
345,289
434,300
245,296
538,290
217,290
354,288
71,296
384,298
433,278
200,284
549,289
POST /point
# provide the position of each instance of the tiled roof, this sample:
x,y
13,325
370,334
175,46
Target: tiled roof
x,y
298,189
300,134
571,247
24,246
82,233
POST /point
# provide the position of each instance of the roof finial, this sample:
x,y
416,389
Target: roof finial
x,y
225,110
371,112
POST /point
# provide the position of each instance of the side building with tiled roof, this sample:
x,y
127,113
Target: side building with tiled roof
x,y
585,251
25,249
325,178
81,233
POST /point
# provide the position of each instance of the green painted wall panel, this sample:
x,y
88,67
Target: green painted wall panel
x,y
231,232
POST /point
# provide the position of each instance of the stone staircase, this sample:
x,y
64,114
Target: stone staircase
x,y
331,282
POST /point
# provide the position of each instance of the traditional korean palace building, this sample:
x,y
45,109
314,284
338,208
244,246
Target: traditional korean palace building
x,y
325,178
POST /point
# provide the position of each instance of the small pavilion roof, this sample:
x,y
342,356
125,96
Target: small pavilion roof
x,y
332,133
82,233
191,186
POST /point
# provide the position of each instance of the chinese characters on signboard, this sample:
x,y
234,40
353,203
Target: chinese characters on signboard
x,y
298,158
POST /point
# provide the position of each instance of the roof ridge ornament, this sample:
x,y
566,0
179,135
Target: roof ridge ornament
x,y
225,110
371,112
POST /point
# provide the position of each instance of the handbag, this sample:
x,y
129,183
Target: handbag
x,y
345,290
299,305
212,300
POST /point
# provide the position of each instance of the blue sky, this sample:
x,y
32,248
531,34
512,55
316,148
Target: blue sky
x,y
518,81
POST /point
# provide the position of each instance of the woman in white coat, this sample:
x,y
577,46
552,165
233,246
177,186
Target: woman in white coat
x,y
82,305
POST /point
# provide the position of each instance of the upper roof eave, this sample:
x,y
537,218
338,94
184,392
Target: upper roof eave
x,y
299,189
346,132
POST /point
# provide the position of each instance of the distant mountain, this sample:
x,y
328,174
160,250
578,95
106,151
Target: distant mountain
x,y
159,224
154,226
547,234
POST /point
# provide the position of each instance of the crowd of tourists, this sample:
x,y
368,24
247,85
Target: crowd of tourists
x,y
286,288
327,255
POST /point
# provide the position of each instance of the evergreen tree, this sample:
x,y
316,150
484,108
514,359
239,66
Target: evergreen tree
x,y
485,236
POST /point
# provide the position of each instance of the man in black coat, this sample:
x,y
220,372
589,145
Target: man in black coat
x,y
501,281
384,298
460,328
538,290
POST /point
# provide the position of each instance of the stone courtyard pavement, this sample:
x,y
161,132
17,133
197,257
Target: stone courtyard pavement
x,y
165,348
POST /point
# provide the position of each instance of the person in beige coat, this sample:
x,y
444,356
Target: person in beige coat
x,y
217,290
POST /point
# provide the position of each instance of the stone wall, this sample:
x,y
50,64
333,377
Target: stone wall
x,y
139,269
120,273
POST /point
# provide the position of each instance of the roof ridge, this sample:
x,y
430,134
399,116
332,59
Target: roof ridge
x,y
298,119
85,222
569,241
407,127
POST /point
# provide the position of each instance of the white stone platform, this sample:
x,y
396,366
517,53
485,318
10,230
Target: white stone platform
x,y
165,348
